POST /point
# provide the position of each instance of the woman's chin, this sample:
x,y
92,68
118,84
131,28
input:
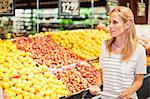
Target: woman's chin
x,y
112,35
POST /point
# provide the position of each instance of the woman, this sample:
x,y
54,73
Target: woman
x,y
123,60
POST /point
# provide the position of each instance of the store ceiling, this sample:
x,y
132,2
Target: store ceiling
x,y
31,4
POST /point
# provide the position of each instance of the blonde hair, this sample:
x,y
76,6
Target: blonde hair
x,y
131,40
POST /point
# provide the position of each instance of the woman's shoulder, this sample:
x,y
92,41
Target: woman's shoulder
x,y
140,50
105,42
140,47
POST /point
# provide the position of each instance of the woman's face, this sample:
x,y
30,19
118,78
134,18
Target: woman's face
x,y
117,27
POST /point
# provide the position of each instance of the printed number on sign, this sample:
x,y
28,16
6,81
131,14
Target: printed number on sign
x,y
70,7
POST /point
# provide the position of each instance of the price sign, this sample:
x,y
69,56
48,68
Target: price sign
x,y
68,7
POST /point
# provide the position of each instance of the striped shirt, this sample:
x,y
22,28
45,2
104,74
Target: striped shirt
x,y
119,75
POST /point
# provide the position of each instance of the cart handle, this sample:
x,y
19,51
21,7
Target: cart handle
x,y
100,94
107,94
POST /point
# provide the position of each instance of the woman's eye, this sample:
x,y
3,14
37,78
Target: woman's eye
x,y
114,22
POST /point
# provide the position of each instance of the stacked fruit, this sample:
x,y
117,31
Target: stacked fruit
x,y
84,43
74,81
96,65
41,34
88,72
34,86
148,60
45,51
146,43
77,77
21,78
13,62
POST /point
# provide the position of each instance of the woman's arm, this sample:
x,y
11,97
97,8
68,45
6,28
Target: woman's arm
x,y
135,86
139,71
99,79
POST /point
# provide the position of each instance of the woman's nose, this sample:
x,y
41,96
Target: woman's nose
x,y
110,26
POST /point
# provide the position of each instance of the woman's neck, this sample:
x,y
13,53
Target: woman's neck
x,y
119,41
118,45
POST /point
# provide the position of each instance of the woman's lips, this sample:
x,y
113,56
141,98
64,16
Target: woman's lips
x,y
112,31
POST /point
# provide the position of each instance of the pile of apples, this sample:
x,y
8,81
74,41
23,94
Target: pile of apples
x,y
44,51
74,81
34,86
84,43
77,77
88,72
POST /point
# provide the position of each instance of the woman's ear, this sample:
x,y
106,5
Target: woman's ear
x,y
127,25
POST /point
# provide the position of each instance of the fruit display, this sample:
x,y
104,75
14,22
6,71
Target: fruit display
x,y
44,51
14,62
77,76
88,72
148,60
74,81
34,86
146,44
96,65
22,78
84,43
144,39
25,62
